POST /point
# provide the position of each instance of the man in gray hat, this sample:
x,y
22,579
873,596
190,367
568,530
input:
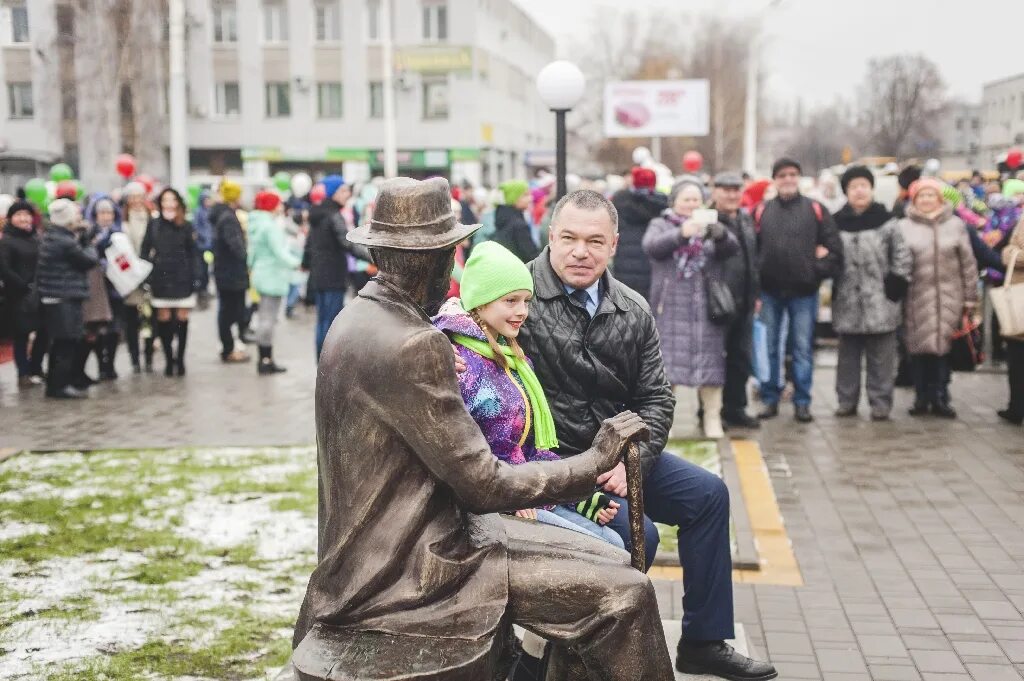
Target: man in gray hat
x,y
743,278
409,543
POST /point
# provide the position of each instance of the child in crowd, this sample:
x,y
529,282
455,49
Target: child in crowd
x,y
499,387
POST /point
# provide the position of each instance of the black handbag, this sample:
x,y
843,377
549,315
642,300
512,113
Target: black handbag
x,y
721,304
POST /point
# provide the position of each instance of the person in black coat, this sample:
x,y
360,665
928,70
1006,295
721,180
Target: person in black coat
x,y
170,244
511,229
230,271
326,255
65,259
19,253
742,275
636,207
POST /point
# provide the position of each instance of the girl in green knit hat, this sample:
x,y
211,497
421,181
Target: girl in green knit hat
x,y
499,387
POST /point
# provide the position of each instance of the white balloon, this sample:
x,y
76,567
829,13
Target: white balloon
x,y
51,189
931,166
641,155
301,184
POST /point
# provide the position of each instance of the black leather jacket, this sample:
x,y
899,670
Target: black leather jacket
x,y
592,369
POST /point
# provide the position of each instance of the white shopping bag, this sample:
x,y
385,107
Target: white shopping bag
x,y
1008,302
125,270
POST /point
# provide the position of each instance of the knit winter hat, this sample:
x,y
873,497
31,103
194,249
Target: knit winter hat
x,y
63,212
18,206
926,183
267,201
133,189
853,172
784,163
513,190
230,190
491,272
644,178
332,183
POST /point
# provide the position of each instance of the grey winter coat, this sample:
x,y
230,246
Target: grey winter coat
x,y
944,279
859,303
692,346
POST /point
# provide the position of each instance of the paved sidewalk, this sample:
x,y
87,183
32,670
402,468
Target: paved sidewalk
x,y
909,535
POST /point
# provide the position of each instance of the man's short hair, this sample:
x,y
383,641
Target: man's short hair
x,y
587,199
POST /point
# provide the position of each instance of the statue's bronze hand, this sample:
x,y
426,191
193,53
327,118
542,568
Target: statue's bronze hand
x,y
615,434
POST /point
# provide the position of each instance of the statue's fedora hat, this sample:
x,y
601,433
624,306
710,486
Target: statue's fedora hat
x,y
413,215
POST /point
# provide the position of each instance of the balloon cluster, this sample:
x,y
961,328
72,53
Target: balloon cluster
x,y
61,185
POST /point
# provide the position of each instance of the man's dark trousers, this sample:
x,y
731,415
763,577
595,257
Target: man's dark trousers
x,y
739,349
681,494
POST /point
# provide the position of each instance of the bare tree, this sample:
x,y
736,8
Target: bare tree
x,y
149,85
900,99
820,141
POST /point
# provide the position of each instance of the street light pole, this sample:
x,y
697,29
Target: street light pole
x,y
387,83
750,115
560,154
176,95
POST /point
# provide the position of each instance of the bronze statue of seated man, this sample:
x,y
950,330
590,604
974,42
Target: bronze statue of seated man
x,y
413,558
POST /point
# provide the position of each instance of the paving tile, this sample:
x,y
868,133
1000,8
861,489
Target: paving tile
x,y
1013,650
847,661
797,670
961,624
919,619
893,673
937,661
988,648
881,646
788,644
996,610
993,672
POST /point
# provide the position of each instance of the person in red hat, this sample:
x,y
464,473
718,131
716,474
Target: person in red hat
x,y
637,206
271,265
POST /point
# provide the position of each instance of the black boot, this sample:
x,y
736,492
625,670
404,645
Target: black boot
x,y
182,334
943,409
166,332
148,355
80,379
266,364
109,342
61,367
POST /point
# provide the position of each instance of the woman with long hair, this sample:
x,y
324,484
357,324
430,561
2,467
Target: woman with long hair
x,y
170,244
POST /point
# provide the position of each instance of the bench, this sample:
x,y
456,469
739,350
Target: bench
x,y
333,654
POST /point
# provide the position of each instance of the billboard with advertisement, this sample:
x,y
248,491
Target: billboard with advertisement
x,y
657,108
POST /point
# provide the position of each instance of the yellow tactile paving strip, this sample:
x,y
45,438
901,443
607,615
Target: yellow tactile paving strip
x,y
778,564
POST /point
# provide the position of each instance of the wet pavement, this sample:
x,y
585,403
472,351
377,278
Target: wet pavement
x,y
908,535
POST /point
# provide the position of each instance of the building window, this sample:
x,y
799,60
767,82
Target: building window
x,y
20,97
279,100
225,23
275,22
328,97
435,99
19,23
226,99
959,124
435,20
373,20
376,99
328,21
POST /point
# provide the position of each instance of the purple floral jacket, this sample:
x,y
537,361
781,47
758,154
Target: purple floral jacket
x,y
494,397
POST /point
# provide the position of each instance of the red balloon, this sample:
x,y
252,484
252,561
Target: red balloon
x,y
692,161
125,165
66,189
1014,158
318,193
147,182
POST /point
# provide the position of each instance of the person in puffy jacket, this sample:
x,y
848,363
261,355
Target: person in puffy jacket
x,y
943,289
170,244
511,229
65,259
272,264
230,271
637,206
866,298
19,256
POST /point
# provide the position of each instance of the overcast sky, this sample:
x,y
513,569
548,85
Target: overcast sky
x,y
817,49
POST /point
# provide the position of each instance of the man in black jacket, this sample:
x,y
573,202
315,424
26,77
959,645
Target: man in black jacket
x,y
799,248
743,278
326,255
596,351
230,270
637,206
65,258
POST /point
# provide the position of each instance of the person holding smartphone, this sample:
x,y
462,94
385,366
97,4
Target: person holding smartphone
x,y
688,246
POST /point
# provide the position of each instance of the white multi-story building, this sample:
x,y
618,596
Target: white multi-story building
x,y
1002,114
959,137
297,84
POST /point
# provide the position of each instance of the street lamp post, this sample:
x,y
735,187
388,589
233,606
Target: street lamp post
x,y
560,85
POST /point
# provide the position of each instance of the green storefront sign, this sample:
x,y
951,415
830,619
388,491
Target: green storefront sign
x,y
413,159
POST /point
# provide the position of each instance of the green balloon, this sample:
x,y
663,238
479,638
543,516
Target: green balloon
x,y
35,191
282,180
79,191
61,171
192,195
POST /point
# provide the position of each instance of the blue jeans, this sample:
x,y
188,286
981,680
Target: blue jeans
x,y
802,313
679,493
293,297
567,518
328,304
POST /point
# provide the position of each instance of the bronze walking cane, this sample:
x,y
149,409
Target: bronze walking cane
x,y
635,497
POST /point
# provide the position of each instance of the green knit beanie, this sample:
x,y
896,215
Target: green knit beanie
x,y
491,272
512,190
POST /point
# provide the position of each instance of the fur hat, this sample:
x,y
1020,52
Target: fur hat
x,y
853,172
63,212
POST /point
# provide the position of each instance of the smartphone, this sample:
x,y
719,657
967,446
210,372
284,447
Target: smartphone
x,y
705,216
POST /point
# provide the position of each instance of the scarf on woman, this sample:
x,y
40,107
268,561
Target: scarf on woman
x,y
544,436
849,220
690,258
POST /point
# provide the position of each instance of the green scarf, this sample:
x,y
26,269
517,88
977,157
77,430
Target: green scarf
x,y
544,435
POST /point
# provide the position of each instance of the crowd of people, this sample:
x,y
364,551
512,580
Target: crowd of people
x,y
718,259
